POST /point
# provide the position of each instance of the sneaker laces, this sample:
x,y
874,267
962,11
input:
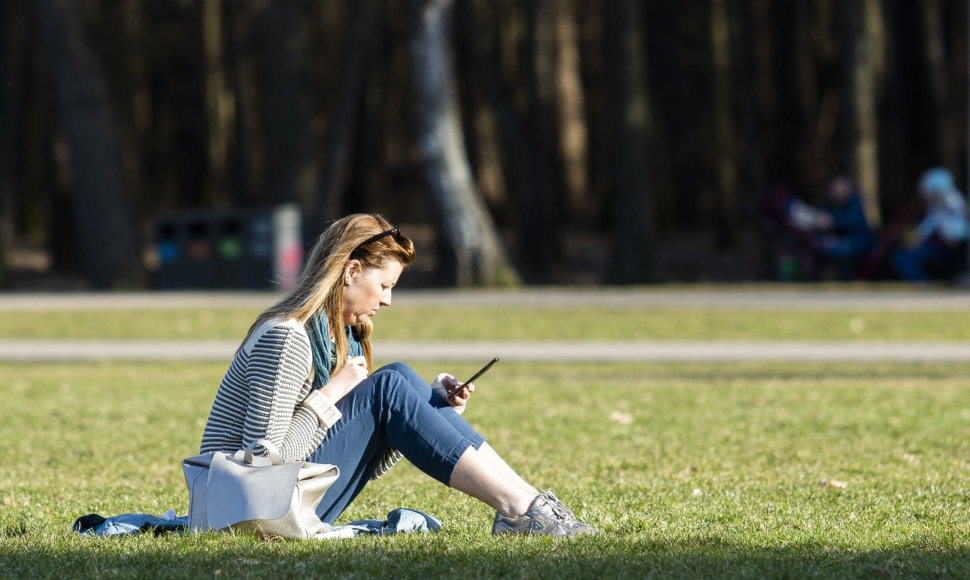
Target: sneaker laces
x,y
558,508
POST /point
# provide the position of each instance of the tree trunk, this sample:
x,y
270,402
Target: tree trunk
x,y
813,157
557,139
750,42
680,129
342,128
864,42
540,208
38,170
569,105
105,234
894,135
592,73
632,258
509,151
219,102
247,150
290,165
472,251
368,174
136,110
477,48
13,17
945,133
726,205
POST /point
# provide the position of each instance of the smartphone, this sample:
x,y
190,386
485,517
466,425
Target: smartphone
x,y
480,372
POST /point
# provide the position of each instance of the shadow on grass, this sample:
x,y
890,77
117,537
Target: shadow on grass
x,y
429,557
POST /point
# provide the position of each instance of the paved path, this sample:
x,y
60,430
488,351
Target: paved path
x,y
50,350
712,297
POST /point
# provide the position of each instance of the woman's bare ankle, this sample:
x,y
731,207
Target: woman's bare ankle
x,y
518,507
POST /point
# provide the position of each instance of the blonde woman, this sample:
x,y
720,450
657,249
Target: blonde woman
x,y
302,379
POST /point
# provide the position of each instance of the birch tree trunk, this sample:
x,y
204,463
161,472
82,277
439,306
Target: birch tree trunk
x,y
106,251
471,251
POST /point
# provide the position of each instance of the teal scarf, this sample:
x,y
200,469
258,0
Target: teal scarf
x,y
324,355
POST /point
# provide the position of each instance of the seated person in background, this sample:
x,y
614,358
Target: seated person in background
x,y
939,235
844,235
837,233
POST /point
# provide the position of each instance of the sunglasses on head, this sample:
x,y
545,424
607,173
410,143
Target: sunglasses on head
x,y
396,232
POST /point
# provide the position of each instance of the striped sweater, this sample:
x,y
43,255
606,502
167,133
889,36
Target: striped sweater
x,y
266,393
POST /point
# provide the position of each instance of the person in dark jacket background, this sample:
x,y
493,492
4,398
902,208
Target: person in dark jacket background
x,y
834,236
844,236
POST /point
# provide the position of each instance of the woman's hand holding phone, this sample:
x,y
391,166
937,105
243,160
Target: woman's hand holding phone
x,y
458,393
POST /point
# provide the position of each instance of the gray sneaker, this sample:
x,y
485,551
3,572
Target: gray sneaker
x,y
546,515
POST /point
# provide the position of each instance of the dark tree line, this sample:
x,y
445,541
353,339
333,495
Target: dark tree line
x,y
534,140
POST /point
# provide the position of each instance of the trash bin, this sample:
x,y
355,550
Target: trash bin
x,y
240,248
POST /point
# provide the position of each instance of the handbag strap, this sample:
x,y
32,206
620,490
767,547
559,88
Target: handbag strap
x,y
269,446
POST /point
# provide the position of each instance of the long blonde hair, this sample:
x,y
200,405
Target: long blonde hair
x,y
321,282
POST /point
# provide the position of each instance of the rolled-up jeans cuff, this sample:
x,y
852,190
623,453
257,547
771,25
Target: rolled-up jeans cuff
x,y
451,461
477,441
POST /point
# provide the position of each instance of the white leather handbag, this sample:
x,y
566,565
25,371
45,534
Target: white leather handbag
x,y
259,495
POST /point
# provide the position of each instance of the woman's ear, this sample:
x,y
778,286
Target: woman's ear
x,y
352,268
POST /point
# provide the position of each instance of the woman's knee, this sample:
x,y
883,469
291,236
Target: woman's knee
x,y
398,367
404,375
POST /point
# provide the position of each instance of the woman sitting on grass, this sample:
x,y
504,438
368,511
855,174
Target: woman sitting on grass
x,y
308,388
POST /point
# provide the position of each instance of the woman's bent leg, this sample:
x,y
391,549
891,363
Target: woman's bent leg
x,y
484,475
384,411
470,480
425,392
503,468
476,476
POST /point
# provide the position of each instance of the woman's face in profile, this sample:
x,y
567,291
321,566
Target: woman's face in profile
x,y
367,289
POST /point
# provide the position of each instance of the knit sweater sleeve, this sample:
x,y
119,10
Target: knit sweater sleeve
x,y
278,374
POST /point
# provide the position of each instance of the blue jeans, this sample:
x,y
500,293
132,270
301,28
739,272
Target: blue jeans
x,y
394,407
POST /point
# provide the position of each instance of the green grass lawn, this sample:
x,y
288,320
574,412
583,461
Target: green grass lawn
x,y
688,470
586,323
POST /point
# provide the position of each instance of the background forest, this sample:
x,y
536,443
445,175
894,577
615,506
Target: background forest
x,y
542,141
